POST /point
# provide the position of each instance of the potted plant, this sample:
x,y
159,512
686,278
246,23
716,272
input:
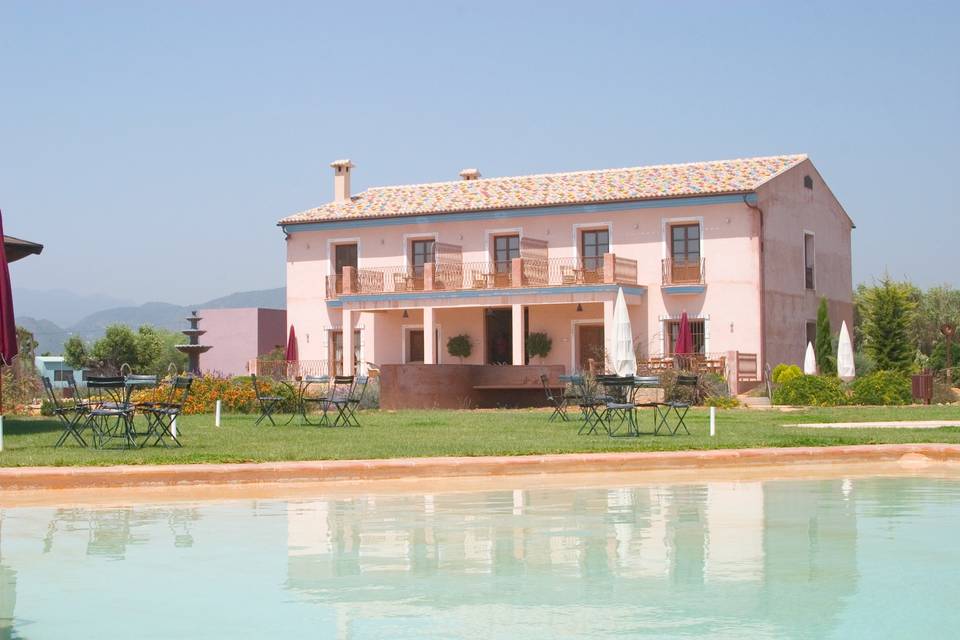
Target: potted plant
x,y
539,345
460,346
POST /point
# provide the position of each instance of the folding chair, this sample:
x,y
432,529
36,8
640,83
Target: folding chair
x,y
110,415
70,416
137,382
339,399
355,399
268,404
558,402
619,405
163,414
649,382
589,404
679,407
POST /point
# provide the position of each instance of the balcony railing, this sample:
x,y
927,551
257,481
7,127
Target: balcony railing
x,y
454,275
683,271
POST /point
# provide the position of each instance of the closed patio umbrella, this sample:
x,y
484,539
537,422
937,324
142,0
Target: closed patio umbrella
x,y
292,353
684,344
846,370
624,357
810,361
8,326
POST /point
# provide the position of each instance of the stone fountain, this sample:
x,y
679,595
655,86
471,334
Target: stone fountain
x,y
193,348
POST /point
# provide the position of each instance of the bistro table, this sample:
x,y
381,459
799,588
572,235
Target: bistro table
x,y
299,386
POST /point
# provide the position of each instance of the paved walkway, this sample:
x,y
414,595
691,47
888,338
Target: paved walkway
x,y
903,424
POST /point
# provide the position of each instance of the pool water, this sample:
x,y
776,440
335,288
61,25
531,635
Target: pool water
x,y
844,558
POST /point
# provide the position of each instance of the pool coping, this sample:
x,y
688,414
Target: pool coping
x,y
445,467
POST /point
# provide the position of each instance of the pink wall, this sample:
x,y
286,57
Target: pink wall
x,y
790,209
239,335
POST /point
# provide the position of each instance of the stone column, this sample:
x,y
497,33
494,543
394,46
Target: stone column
x,y
519,342
429,337
347,328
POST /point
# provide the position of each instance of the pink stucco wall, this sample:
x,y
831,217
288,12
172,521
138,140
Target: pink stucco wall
x,y
731,304
238,336
790,209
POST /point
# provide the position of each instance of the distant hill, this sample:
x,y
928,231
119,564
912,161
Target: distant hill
x,y
61,306
52,335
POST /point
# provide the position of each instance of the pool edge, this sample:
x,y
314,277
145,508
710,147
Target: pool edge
x,y
12,478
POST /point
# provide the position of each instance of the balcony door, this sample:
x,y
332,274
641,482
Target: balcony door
x,y
421,252
685,253
593,244
505,249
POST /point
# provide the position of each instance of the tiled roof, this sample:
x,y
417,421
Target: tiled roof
x,y
581,187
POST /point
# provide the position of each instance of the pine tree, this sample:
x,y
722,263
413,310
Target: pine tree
x,y
826,362
887,313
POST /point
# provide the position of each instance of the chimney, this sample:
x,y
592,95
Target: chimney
x,y
470,174
341,180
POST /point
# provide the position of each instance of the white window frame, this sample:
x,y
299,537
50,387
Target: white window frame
x,y
580,227
665,238
408,239
664,335
487,241
333,242
575,338
405,331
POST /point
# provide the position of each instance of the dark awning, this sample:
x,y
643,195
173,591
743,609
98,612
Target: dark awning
x,y
17,248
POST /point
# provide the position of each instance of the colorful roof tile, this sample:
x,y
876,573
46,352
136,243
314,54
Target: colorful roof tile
x,y
581,187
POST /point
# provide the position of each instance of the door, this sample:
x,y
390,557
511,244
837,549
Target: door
x,y
415,345
593,244
336,351
505,249
685,252
344,255
590,346
498,324
421,252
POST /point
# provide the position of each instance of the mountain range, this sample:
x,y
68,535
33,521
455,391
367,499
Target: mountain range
x,y
55,315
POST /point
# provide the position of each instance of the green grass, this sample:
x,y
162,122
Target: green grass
x,y
29,441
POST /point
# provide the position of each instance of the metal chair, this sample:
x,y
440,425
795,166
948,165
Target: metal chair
x,y
163,415
589,404
354,400
268,404
680,407
619,405
558,402
69,416
648,382
341,391
110,416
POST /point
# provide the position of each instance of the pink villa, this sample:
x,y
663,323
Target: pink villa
x,y
745,247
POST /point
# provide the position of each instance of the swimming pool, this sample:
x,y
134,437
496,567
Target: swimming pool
x,y
828,558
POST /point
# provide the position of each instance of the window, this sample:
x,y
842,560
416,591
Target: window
x,y
593,244
62,375
685,243
336,349
505,249
811,333
808,261
697,330
345,255
807,182
421,252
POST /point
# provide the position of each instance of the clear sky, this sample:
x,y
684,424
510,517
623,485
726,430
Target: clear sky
x,y
152,146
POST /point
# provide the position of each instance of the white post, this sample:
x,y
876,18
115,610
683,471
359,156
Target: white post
x,y
173,428
713,421
216,420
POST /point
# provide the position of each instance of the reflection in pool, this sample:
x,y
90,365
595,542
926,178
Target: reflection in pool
x,y
799,559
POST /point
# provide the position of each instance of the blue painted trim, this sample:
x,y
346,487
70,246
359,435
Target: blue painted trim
x,y
485,293
500,214
684,289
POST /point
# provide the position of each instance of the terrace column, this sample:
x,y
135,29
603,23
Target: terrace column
x,y
608,332
429,337
519,342
347,328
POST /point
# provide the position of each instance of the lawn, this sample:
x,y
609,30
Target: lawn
x,y
29,441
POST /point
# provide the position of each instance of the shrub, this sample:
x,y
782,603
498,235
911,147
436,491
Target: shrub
x,y
882,387
943,394
722,402
823,347
819,391
785,373
539,344
460,346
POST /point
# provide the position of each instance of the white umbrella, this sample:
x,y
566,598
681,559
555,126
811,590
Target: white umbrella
x,y
624,357
845,367
810,361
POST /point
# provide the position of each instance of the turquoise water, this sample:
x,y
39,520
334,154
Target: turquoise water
x,y
862,558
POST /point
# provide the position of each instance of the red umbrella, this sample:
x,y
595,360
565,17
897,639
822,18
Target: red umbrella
x,y
684,344
292,351
8,326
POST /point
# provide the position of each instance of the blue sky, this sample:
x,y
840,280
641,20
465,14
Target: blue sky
x,y
152,146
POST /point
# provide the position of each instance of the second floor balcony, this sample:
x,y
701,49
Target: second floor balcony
x,y
444,274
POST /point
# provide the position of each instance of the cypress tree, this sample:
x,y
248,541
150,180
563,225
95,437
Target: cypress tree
x,y
823,348
887,313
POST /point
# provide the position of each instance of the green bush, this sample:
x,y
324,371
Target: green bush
x,y
818,391
882,387
722,402
539,344
460,346
785,373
